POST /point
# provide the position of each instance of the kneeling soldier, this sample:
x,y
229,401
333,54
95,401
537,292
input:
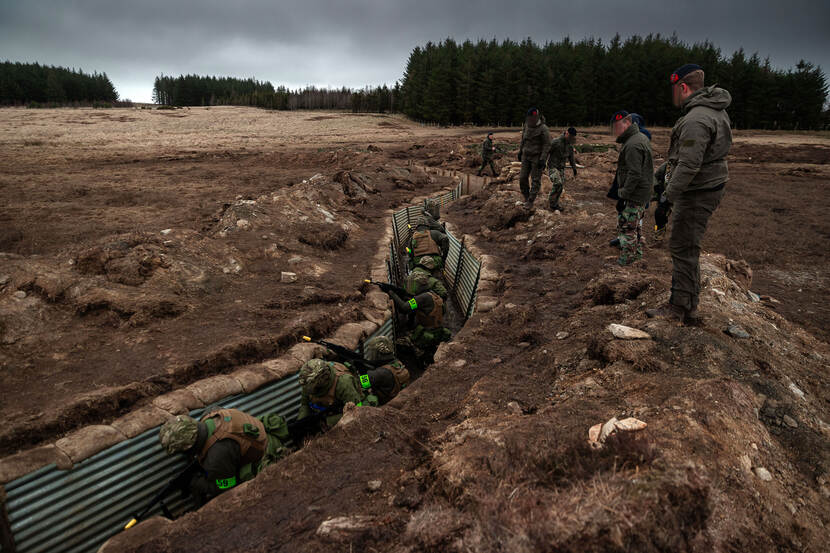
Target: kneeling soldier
x,y
230,447
387,380
327,388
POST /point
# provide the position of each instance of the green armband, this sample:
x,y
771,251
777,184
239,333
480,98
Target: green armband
x,y
364,381
225,483
413,304
358,404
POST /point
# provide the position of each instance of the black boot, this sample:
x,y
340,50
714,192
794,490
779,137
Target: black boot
x,y
615,243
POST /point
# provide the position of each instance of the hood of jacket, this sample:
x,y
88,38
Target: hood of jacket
x,y
710,97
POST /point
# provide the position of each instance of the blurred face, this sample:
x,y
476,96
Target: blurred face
x,y
571,138
619,126
533,119
679,92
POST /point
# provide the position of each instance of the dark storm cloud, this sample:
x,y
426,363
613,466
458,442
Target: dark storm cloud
x,y
358,42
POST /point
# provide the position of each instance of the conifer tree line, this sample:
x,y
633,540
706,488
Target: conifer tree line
x,y
195,90
29,83
579,83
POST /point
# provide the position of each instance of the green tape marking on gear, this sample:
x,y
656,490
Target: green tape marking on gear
x,y
413,304
225,483
364,381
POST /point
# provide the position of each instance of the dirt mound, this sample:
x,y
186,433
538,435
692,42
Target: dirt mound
x,y
130,260
502,211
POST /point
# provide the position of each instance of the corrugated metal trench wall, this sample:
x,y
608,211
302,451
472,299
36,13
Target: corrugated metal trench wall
x,y
75,511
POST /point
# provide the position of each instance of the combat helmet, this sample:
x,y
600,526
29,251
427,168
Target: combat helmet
x,y
179,434
421,221
433,208
379,348
417,281
428,262
315,376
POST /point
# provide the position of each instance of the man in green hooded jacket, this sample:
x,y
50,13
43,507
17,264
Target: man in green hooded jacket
x,y
533,153
697,173
635,180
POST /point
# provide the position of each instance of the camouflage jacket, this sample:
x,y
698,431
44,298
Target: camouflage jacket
x,y
487,151
560,150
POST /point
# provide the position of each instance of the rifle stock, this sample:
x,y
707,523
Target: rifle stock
x,y
180,482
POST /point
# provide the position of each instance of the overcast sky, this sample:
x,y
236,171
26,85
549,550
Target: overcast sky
x,y
358,42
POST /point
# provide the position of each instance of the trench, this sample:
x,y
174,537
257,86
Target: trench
x,y
77,510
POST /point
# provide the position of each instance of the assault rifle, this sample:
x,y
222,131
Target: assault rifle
x,y
179,482
386,287
362,365
299,429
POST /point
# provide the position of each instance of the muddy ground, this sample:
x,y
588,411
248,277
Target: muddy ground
x,y
735,456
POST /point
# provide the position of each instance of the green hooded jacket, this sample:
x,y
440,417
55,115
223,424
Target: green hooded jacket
x,y
635,168
535,143
700,142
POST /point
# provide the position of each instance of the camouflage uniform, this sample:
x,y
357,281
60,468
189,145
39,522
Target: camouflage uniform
x,y
635,178
223,465
560,149
487,150
388,379
533,153
425,232
428,294
327,388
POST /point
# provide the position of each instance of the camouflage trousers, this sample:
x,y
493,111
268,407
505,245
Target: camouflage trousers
x,y
557,182
628,228
484,165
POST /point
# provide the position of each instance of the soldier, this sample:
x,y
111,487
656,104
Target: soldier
x,y
387,380
432,213
425,300
230,447
487,152
612,193
533,153
697,173
427,243
635,180
327,388
560,149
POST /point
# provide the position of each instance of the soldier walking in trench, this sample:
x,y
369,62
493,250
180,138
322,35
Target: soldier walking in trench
x,y
488,149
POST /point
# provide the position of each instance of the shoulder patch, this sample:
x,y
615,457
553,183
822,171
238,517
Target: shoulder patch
x,y
689,142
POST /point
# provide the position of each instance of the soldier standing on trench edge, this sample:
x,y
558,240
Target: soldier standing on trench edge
x,y
533,153
635,180
562,148
696,176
